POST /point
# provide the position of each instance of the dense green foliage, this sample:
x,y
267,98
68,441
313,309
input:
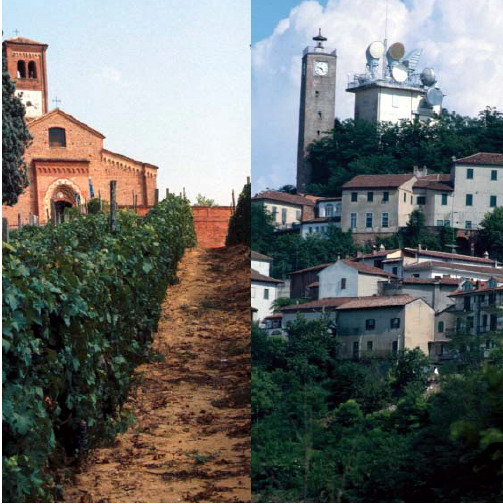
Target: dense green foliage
x,y
79,308
326,430
490,237
15,139
361,147
239,223
290,251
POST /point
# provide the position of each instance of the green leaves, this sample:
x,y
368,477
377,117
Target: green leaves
x,y
79,308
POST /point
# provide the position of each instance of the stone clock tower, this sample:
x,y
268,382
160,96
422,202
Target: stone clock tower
x,y
317,102
27,68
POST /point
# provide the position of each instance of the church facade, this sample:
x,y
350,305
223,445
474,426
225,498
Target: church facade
x,y
66,159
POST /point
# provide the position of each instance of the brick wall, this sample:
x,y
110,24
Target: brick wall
x,y
83,157
211,224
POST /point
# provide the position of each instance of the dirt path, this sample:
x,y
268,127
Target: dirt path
x,y
191,441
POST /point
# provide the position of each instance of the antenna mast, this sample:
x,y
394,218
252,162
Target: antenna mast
x,y
385,43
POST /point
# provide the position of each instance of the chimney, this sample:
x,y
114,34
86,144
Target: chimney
x,y
420,172
486,255
359,254
419,248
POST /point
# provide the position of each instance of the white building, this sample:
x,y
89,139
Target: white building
x,y
263,294
261,263
347,278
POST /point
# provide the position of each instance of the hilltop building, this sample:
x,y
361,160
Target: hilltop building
x,y
67,159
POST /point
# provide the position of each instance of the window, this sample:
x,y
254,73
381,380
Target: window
x,y
421,200
405,197
484,321
494,174
298,215
469,200
57,137
343,283
21,69
353,221
310,230
385,196
370,346
492,201
266,293
444,198
283,215
394,347
469,322
447,223
395,323
370,324
469,173
329,210
468,224
394,270
354,196
440,222
356,349
385,220
32,70
440,326
369,218
370,196
411,199
467,304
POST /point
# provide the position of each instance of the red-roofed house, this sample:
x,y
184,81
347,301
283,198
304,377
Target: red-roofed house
x,y
350,278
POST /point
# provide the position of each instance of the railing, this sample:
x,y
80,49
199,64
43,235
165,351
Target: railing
x,y
366,78
319,50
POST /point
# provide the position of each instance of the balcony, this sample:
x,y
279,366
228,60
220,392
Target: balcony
x,y
319,50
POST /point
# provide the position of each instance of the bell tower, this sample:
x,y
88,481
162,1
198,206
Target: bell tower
x,y
317,102
26,64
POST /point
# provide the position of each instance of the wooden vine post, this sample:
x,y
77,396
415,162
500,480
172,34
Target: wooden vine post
x,y
5,230
113,216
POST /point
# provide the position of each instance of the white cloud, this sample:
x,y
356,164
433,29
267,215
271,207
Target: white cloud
x,y
109,74
461,39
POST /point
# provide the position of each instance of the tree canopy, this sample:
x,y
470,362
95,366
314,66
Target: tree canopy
x,y
15,140
357,147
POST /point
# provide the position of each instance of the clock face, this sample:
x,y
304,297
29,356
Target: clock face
x,y
320,68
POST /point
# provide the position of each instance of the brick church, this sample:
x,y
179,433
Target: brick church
x,y
66,157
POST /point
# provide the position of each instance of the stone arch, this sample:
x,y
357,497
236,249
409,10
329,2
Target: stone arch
x,y
61,190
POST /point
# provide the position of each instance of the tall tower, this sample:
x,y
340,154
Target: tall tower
x,y
26,65
317,102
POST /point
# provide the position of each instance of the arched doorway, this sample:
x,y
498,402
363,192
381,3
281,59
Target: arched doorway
x,y
64,194
64,197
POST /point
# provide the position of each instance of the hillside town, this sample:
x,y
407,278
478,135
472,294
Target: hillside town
x,y
387,300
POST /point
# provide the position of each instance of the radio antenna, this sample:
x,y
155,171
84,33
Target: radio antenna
x,y
385,42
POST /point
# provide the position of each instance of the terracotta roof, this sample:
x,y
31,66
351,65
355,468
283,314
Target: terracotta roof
x,y
482,158
257,256
378,253
258,277
426,265
58,111
318,304
482,290
439,177
127,158
275,316
292,199
312,268
432,281
352,303
22,40
449,255
360,303
377,181
433,185
366,269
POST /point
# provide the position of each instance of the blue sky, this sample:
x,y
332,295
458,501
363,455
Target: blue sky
x,y
166,81
461,40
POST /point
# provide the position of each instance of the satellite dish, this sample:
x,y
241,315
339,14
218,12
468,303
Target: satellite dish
x,y
375,50
434,96
428,77
412,59
399,72
396,51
